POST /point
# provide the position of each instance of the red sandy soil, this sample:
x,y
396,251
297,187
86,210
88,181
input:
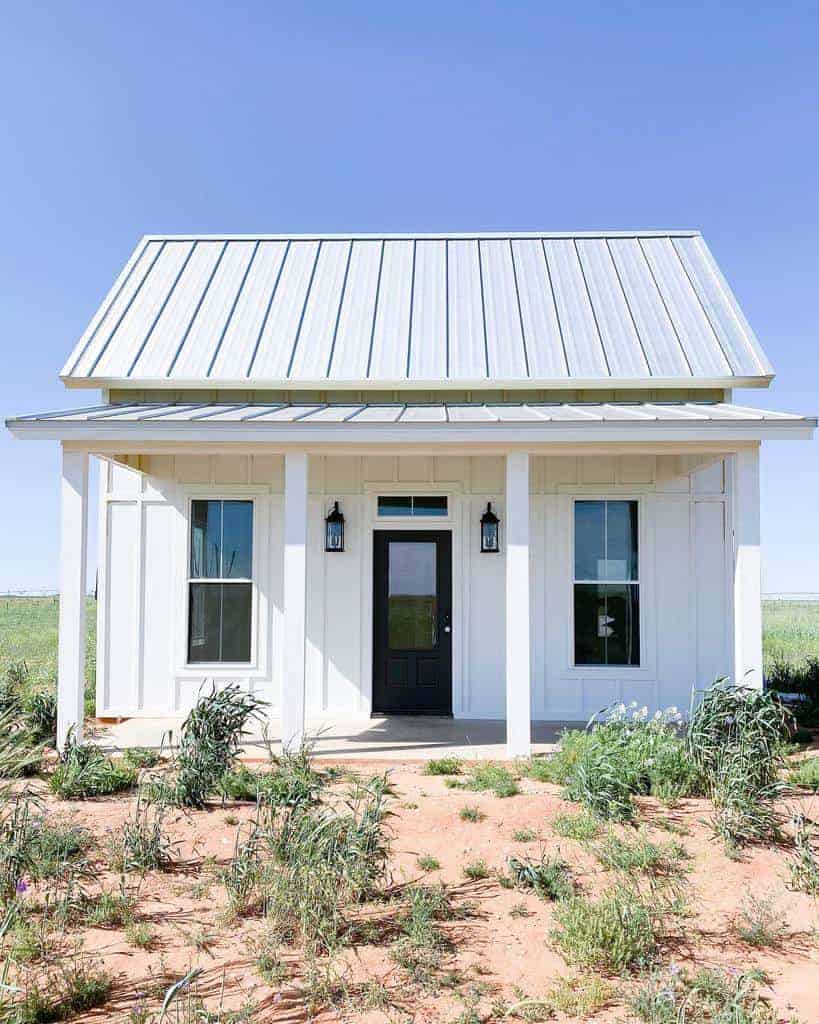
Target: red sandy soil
x,y
497,953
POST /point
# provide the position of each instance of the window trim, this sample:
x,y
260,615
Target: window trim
x,y
645,564
251,666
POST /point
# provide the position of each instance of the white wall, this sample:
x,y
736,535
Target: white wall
x,y
685,596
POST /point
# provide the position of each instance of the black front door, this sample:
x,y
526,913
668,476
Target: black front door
x,y
412,616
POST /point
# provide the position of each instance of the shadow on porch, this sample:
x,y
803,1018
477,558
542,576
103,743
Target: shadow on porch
x,y
395,738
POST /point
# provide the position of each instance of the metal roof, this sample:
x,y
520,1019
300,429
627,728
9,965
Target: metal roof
x,y
593,309
384,421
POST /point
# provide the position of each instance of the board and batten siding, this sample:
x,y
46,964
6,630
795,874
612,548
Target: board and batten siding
x,y
684,576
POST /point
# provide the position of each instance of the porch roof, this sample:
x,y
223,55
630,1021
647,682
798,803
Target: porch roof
x,y
405,422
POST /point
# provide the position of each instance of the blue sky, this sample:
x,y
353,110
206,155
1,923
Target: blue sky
x,y
119,120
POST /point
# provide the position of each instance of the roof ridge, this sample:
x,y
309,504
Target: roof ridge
x,y
422,235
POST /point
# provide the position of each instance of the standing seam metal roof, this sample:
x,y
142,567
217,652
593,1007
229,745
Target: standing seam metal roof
x,y
425,310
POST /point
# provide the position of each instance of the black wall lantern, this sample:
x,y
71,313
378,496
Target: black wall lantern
x,y
334,530
490,543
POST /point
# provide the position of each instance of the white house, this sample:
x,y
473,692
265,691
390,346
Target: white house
x,y
492,476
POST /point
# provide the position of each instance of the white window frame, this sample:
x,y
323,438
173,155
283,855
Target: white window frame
x,y
222,667
646,668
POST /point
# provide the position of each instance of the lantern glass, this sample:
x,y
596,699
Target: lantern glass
x,y
334,530
490,543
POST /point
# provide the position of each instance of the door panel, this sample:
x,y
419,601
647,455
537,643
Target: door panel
x,y
412,613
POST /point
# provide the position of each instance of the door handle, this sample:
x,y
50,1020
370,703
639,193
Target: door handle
x,y
445,621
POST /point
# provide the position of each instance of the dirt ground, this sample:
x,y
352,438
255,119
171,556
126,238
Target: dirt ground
x,y
501,946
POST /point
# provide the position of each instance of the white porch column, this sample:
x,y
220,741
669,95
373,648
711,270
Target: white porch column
x,y
747,569
295,598
518,670
73,546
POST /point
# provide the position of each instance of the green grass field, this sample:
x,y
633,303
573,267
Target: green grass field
x,y
28,632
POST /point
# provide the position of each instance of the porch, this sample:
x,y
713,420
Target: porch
x,y
388,738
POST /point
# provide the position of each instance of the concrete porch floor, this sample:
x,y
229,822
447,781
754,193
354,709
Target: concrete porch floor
x,y
400,738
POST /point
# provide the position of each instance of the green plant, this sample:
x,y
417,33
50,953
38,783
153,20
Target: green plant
x,y
142,844
69,988
84,771
471,813
711,996
803,867
617,931
735,738
443,766
141,757
18,756
422,946
40,716
33,847
428,863
640,854
581,827
581,995
524,835
140,935
492,778
549,877
476,870
624,753
806,773
760,921
210,742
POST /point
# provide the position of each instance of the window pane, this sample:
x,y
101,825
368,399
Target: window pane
x,y
412,600
219,623
621,541
392,505
606,624
237,539
433,505
203,623
236,606
206,534
589,539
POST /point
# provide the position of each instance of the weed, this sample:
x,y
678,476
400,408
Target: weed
x,y
615,932
40,717
735,739
672,996
803,867
69,988
806,773
140,935
428,863
519,910
471,813
443,766
524,835
107,909
84,771
142,844
640,854
423,945
476,870
581,827
210,742
241,876
549,877
581,995
760,921
141,757
542,769
492,778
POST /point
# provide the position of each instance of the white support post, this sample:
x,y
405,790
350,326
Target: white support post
x,y
73,546
295,598
747,569
518,669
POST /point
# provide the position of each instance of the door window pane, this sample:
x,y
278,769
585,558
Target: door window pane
x,y
412,596
606,624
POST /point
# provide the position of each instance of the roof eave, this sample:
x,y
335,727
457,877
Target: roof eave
x,y
402,384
